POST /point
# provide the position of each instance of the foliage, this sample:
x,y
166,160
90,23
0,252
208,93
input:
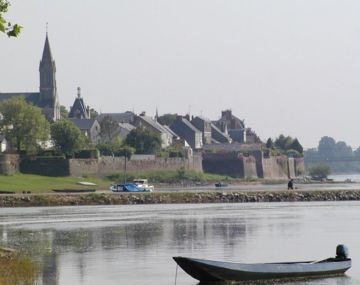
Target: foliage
x,y
67,137
93,113
167,119
108,129
126,151
5,26
269,143
64,113
24,125
319,171
284,144
144,141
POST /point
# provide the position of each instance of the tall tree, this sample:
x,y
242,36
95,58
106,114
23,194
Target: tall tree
x,y
144,141
64,113
295,145
24,125
108,129
167,119
67,137
327,147
5,26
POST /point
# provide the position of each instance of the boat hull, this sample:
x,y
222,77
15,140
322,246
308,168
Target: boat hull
x,y
208,270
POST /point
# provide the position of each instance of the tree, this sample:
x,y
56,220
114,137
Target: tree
x,y
167,119
93,113
327,147
24,125
64,113
269,143
144,141
108,129
67,137
5,26
319,171
295,145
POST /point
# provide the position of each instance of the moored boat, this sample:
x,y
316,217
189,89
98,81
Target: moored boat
x,y
221,184
210,270
143,184
127,187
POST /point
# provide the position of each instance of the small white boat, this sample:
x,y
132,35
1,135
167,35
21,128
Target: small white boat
x,y
143,185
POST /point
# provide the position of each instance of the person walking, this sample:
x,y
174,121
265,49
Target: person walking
x,y
290,185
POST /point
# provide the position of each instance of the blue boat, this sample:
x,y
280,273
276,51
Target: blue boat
x,y
127,187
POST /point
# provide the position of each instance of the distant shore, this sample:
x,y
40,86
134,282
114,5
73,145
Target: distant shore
x,y
40,200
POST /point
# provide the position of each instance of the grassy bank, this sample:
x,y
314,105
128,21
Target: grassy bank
x,y
41,184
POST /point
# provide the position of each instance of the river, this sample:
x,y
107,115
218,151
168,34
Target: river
x,y
134,244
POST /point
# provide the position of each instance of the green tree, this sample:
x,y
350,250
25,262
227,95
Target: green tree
x,y
167,119
327,147
108,129
64,113
67,138
319,171
24,125
144,141
269,143
93,113
295,145
5,26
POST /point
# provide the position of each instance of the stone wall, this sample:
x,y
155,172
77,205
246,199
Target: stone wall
x,y
47,167
9,164
250,167
224,163
275,167
106,165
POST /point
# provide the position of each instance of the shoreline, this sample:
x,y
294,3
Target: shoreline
x,y
46,200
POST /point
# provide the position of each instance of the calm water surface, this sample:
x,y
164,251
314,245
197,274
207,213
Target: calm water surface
x,y
134,244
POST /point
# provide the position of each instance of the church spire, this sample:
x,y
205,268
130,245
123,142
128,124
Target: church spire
x,y
47,56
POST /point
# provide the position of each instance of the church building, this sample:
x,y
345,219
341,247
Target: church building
x,y
47,98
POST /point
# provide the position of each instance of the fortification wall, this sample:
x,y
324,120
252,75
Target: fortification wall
x,y
275,167
250,167
47,167
224,163
9,164
107,165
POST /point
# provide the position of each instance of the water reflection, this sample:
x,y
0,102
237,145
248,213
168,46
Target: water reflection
x,y
92,245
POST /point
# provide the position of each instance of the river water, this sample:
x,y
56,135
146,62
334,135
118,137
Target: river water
x,y
134,244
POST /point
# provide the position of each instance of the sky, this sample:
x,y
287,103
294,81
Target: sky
x,y
285,67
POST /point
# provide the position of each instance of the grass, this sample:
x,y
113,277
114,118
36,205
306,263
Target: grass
x,y
18,270
40,184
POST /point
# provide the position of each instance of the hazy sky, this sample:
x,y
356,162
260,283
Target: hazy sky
x,y
285,66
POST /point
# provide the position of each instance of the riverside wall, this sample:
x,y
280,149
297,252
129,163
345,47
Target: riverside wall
x,y
9,164
30,200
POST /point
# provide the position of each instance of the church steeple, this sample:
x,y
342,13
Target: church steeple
x,y
48,93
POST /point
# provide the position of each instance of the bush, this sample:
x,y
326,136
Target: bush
x,y
319,172
87,153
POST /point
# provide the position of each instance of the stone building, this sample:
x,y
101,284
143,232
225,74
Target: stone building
x,y
185,130
89,127
203,125
152,125
232,125
47,97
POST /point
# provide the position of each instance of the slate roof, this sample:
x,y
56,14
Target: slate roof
x,y
154,124
79,106
126,126
83,124
127,117
30,97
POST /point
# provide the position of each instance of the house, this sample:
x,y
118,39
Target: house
x,y
149,123
89,127
185,130
78,109
125,129
127,117
232,125
203,125
218,136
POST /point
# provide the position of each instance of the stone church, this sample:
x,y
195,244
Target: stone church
x,y
47,98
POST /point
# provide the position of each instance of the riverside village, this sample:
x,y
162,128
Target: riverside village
x,y
94,197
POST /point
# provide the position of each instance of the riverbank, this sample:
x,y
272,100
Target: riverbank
x,y
38,200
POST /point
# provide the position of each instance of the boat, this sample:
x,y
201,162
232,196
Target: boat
x,y
127,187
143,184
210,270
74,190
221,184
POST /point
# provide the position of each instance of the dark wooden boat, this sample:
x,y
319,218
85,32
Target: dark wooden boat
x,y
210,270
74,190
221,184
